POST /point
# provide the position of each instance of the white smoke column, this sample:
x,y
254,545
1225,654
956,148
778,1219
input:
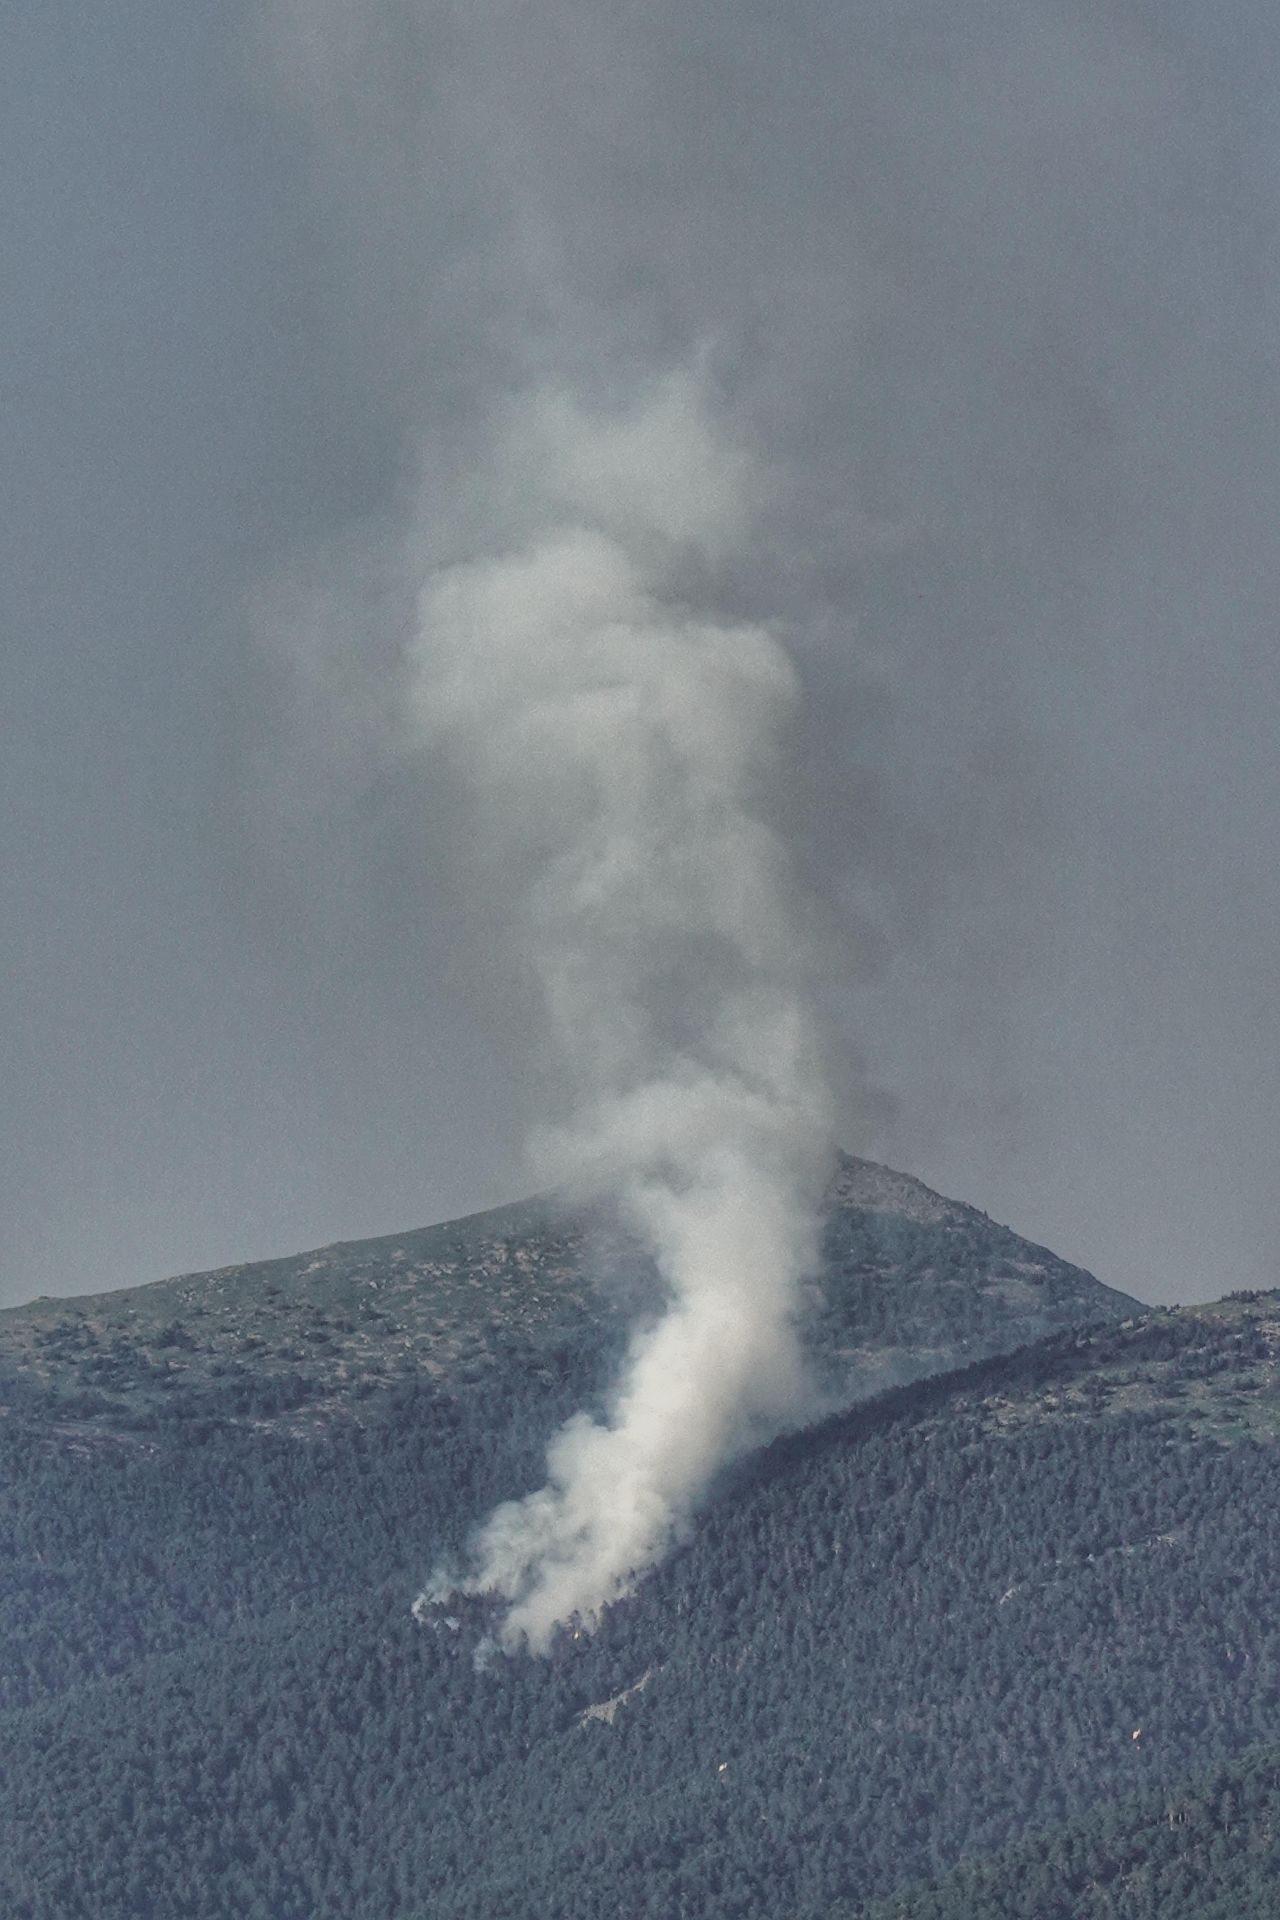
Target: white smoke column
x,y
621,747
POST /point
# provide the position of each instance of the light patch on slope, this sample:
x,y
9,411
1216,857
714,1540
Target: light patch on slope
x,y
606,1710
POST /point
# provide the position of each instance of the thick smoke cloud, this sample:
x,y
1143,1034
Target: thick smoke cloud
x,y
622,748
575,201
990,285
988,289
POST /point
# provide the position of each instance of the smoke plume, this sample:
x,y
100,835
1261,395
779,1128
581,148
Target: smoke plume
x,y
620,744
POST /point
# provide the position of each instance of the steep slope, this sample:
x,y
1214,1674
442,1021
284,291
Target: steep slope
x,y
910,1284
916,1633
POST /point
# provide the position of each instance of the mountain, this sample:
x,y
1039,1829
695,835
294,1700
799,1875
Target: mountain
x,y
543,1292
914,1641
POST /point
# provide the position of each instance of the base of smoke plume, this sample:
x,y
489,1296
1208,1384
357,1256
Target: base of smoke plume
x,y
453,1601
620,746
447,1608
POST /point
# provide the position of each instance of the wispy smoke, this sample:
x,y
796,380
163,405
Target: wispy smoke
x,y
621,745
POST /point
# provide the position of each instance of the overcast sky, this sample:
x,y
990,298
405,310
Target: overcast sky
x,y
990,287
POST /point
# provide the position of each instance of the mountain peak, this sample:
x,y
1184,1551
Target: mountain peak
x,y
909,1284
872,1188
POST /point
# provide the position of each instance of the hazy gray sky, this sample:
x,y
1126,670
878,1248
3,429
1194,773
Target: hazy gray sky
x,y
992,288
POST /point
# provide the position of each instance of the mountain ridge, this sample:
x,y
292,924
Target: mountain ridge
x,y
909,1283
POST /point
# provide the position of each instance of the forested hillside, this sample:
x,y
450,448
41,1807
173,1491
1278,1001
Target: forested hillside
x,y
1208,1849
914,1634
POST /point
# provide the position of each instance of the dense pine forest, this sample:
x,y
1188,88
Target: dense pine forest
x,y
1208,1849
1007,1632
